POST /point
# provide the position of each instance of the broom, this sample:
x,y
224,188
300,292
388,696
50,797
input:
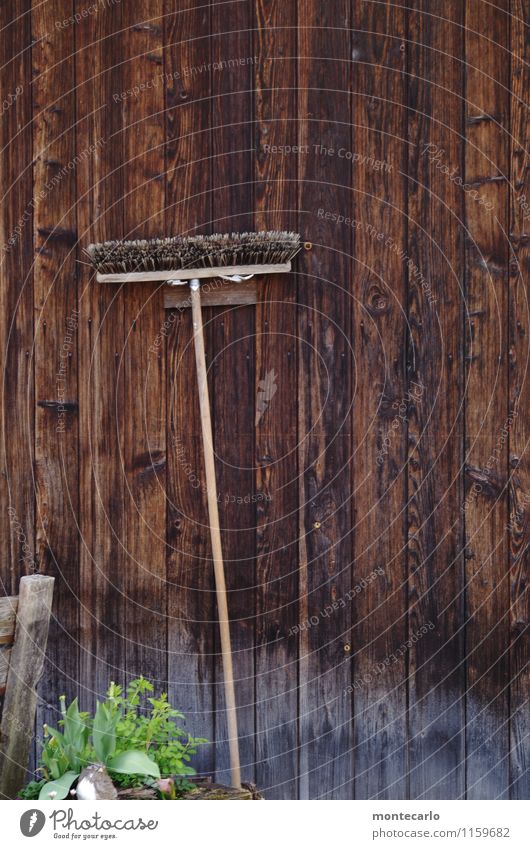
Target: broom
x,y
181,260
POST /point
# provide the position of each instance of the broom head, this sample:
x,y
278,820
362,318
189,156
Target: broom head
x,y
195,256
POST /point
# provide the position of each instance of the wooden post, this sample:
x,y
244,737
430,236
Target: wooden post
x,y
25,669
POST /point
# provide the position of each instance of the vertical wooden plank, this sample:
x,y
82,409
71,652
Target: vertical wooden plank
x,y
26,665
382,401
57,320
101,341
17,503
143,375
436,704
233,348
519,526
325,399
488,419
190,590
232,358
276,421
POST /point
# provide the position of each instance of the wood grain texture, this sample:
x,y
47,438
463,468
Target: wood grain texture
x,y
325,389
435,523
101,341
143,375
8,613
5,654
17,498
231,355
488,419
191,598
382,402
26,664
17,413
56,360
190,273
212,496
217,294
519,465
370,409
276,378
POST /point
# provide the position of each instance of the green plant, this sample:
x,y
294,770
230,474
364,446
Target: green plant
x,y
149,724
66,751
136,743
32,790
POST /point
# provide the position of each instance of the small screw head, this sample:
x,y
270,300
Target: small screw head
x,y
316,525
347,647
308,246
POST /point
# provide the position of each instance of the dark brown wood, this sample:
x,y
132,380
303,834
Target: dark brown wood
x,y
370,409
17,421
101,342
519,387
143,376
325,389
17,500
383,399
216,294
276,378
26,663
230,353
435,498
221,596
191,595
488,418
56,336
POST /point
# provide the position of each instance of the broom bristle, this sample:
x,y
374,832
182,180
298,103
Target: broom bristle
x,y
180,252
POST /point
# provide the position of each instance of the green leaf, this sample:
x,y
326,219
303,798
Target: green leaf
x,y
134,763
104,733
75,729
54,768
60,788
55,735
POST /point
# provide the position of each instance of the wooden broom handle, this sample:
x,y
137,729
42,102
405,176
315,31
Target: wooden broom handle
x,y
215,533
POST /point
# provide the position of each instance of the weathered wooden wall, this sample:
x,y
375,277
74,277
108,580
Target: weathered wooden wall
x,y
372,414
